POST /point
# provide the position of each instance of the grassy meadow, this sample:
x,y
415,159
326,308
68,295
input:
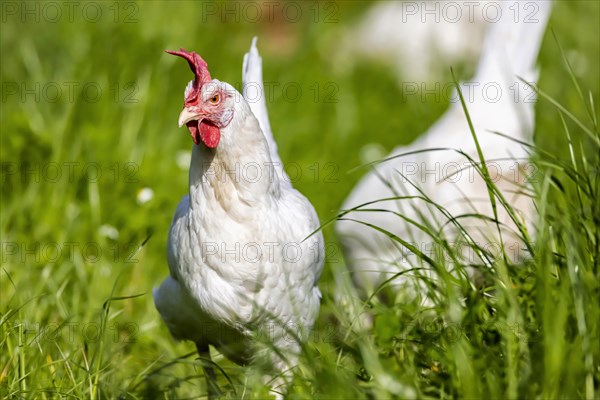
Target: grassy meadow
x,y
93,167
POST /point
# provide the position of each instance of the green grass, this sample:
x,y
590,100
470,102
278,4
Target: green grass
x,y
76,313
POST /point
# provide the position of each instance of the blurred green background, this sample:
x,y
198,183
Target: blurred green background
x,y
89,129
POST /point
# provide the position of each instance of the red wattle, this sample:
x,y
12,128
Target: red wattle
x,y
209,134
194,131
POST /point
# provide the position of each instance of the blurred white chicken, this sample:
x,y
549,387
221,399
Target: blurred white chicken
x,y
497,101
242,276
418,39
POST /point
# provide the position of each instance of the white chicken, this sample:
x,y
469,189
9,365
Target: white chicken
x,y
417,39
243,274
497,101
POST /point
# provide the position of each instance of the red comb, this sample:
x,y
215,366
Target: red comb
x,y
198,66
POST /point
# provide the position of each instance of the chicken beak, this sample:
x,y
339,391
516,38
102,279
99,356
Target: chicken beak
x,y
187,115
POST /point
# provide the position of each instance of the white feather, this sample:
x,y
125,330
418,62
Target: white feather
x,y
254,93
188,89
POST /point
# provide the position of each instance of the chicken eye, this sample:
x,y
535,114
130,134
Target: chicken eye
x,y
215,99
